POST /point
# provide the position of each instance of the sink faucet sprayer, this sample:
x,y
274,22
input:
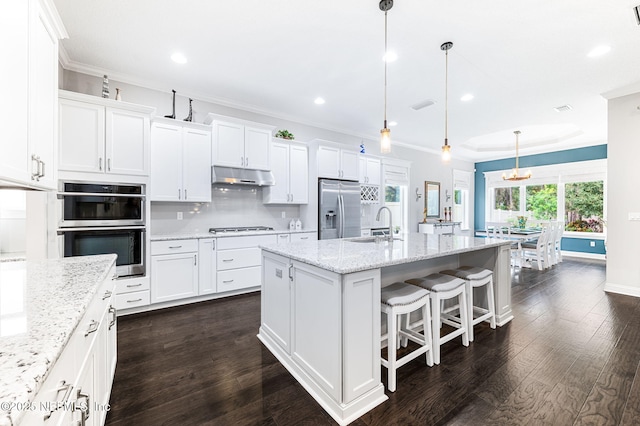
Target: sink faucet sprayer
x,y
390,236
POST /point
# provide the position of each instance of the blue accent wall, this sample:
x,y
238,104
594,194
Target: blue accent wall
x,y
596,152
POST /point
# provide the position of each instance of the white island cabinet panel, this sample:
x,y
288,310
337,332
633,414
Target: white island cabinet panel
x,y
276,297
317,318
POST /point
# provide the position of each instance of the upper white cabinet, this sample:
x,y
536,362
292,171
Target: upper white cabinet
x,y
180,161
337,163
239,143
369,170
290,168
28,157
103,136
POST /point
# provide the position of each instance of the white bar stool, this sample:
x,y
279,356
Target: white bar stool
x,y
476,277
400,299
443,287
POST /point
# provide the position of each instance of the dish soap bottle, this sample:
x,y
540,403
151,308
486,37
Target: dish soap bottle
x,y
298,225
292,225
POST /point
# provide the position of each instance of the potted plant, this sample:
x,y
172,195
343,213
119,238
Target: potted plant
x,y
284,134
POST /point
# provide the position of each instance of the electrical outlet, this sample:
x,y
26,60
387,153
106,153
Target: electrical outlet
x,y
592,243
284,215
179,215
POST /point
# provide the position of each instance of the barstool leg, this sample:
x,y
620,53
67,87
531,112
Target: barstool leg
x,y
391,350
426,330
469,289
435,327
491,304
462,299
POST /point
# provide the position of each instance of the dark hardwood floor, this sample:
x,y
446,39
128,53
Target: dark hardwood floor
x,y
570,356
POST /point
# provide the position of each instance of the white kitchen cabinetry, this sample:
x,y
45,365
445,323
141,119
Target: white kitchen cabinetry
x,y
290,168
180,162
337,163
207,280
239,261
132,292
28,154
174,270
303,236
370,170
239,143
83,373
103,136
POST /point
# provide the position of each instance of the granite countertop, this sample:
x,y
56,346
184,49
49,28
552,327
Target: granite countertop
x,y
42,304
196,235
345,256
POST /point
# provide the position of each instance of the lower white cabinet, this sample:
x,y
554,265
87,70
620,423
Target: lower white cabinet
x,y
83,374
239,261
207,279
132,292
304,236
174,270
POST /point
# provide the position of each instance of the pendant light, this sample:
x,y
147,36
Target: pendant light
x,y
385,133
515,172
446,148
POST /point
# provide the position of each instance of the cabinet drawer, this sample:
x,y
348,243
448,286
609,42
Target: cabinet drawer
x,y
239,278
132,284
174,246
304,236
246,241
133,299
239,258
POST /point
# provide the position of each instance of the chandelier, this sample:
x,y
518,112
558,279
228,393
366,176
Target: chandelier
x,y
515,173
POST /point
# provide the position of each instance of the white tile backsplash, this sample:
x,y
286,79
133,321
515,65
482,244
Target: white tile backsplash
x,y
229,206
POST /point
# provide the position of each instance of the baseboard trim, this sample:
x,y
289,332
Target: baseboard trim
x,y
583,255
622,289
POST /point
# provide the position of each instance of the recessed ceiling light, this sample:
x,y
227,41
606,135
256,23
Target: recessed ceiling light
x,y
393,123
318,101
599,51
179,58
563,108
466,97
390,56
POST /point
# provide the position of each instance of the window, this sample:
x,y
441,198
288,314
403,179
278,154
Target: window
x,y
584,206
396,183
573,193
507,198
542,201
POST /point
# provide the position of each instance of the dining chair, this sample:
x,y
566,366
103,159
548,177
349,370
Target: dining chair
x,y
538,250
502,230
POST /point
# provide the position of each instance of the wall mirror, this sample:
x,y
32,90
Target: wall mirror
x,y
432,199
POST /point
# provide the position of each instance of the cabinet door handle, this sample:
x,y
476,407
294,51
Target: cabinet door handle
x,y
108,164
93,327
41,174
179,194
291,272
246,161
227,281
107,294
304,238
175,247
113,312
195,260
284,236
213,245
135,300
62,386
134,285
100,163
242,161
185,194
85,411
227,260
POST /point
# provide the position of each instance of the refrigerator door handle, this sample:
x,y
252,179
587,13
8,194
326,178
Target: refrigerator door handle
x,y
341,216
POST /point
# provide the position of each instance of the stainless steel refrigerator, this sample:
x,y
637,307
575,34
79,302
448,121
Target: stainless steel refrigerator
x,y
338,209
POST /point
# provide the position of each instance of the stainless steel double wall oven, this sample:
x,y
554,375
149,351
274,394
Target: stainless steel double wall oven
x,y
99,218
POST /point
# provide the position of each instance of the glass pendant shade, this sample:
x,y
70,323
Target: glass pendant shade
x,y
385,140
446,153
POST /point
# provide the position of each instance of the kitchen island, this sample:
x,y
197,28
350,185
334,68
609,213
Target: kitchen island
x,y
321,306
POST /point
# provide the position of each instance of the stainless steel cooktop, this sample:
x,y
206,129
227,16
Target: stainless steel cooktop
x,y
240,229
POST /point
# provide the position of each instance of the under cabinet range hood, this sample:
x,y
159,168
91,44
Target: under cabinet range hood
x,y
238,176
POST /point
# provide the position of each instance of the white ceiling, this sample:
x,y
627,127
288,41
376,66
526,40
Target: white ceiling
x,y
520,59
